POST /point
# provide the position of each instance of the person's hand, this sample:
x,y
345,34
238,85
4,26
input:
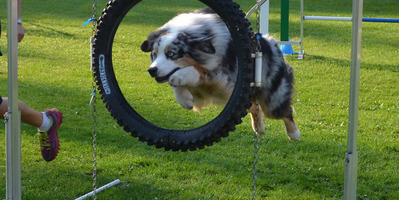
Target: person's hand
x,y
21,32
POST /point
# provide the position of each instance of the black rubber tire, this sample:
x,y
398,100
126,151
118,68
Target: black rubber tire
x,y
146,131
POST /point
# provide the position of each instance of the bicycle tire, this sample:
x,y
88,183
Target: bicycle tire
x,y
133,122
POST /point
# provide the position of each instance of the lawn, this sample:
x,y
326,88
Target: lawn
x,y
54,71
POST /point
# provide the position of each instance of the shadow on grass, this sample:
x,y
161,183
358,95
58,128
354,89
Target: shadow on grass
x,y
347,63
46,31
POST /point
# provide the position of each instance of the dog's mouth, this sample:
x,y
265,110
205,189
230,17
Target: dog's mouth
x,y
163,79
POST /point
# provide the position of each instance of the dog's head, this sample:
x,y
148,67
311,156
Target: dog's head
x,y
173,50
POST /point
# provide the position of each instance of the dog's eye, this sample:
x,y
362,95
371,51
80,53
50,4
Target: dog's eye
x,y
170,54
153,56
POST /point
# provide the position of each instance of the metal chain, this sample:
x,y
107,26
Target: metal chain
x,y
257,27
254,168
256,149
256,136
94,26
94,133
93,104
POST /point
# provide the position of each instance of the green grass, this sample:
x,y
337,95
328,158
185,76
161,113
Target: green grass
x,y
54,71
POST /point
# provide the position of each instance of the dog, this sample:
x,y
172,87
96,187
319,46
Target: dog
x,y
193,53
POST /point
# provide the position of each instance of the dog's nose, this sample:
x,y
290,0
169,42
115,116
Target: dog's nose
x,y
153,71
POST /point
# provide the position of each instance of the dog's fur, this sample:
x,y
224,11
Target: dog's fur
x,y
193,53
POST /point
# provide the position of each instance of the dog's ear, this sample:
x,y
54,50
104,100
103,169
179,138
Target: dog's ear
x,y
204,46
147,45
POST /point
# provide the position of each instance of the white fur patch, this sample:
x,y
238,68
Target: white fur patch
x,y
295,136
187,76
280,95
192,22
184,97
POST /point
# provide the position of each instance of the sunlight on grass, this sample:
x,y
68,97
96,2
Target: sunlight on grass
x,y
54,71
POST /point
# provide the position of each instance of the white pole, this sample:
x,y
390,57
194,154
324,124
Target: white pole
x,y
113,183
264,18
323,18
302,52
351,156
13,119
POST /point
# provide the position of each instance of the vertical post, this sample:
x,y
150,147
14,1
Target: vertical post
x,y
351,156
13,122
301,53
284,20
264,18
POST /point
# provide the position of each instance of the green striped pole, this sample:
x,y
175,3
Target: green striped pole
x,y
284,20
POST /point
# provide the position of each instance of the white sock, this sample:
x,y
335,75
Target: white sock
x,y
46,124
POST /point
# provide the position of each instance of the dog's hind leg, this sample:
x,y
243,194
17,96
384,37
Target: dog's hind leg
x,y
291,128
258,125
286,115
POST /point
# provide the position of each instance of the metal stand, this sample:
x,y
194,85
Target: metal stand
x,y
13,118
352,153
264,18
94,192
285,43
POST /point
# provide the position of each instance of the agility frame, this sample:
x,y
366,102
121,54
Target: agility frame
x,y
13,135
13,117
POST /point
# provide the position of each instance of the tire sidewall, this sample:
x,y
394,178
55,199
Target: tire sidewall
x,y
133,122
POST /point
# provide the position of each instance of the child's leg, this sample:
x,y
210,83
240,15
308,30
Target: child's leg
x,y
28,115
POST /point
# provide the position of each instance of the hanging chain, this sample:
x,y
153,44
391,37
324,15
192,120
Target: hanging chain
x,y
254,168
256,149
94,26
257,27
93,102
256,136
94,112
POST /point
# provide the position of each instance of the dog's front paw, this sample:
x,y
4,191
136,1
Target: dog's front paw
x,y
176,80
184,97
187,76
187,103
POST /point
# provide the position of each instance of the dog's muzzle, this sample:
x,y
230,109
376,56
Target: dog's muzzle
x,y
153,71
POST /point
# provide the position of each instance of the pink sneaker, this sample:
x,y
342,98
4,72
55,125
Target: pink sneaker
x,y
49,144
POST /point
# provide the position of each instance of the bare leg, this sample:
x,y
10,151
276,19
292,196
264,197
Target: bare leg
x,y
28,115
258,125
